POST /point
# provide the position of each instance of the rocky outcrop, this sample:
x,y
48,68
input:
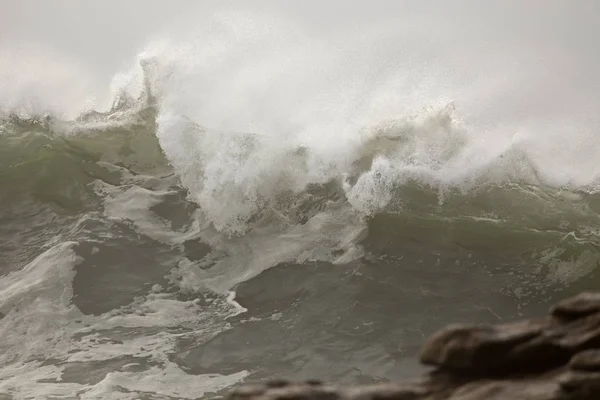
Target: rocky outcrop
x,y
551,358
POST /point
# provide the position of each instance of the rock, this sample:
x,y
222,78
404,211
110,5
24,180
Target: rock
x,y
389,391
508,389
580,385
588,360
278,383
478,348
551,358
582,305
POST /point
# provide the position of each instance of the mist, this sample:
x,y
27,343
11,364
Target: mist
x,y
504,64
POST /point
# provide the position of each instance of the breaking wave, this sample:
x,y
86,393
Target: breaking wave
x,y
237,151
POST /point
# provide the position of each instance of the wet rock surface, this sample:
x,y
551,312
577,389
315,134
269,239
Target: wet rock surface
x,y
551,358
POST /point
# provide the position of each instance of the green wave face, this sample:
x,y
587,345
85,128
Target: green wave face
x,y
50,167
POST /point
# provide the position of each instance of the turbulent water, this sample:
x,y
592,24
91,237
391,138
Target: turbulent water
x,y
257,202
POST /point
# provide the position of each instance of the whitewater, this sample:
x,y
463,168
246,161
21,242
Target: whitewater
x,y
212,194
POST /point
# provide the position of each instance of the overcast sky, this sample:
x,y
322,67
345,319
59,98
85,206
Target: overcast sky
x,y
99,38
103,33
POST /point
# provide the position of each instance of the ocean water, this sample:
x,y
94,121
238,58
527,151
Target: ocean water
x,y
204,195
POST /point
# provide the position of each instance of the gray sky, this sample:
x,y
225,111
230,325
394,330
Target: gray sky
x,y
104,33
556,39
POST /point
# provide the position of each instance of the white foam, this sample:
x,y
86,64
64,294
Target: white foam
x,y
41,323
263,94
36,301
169,380
134,203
